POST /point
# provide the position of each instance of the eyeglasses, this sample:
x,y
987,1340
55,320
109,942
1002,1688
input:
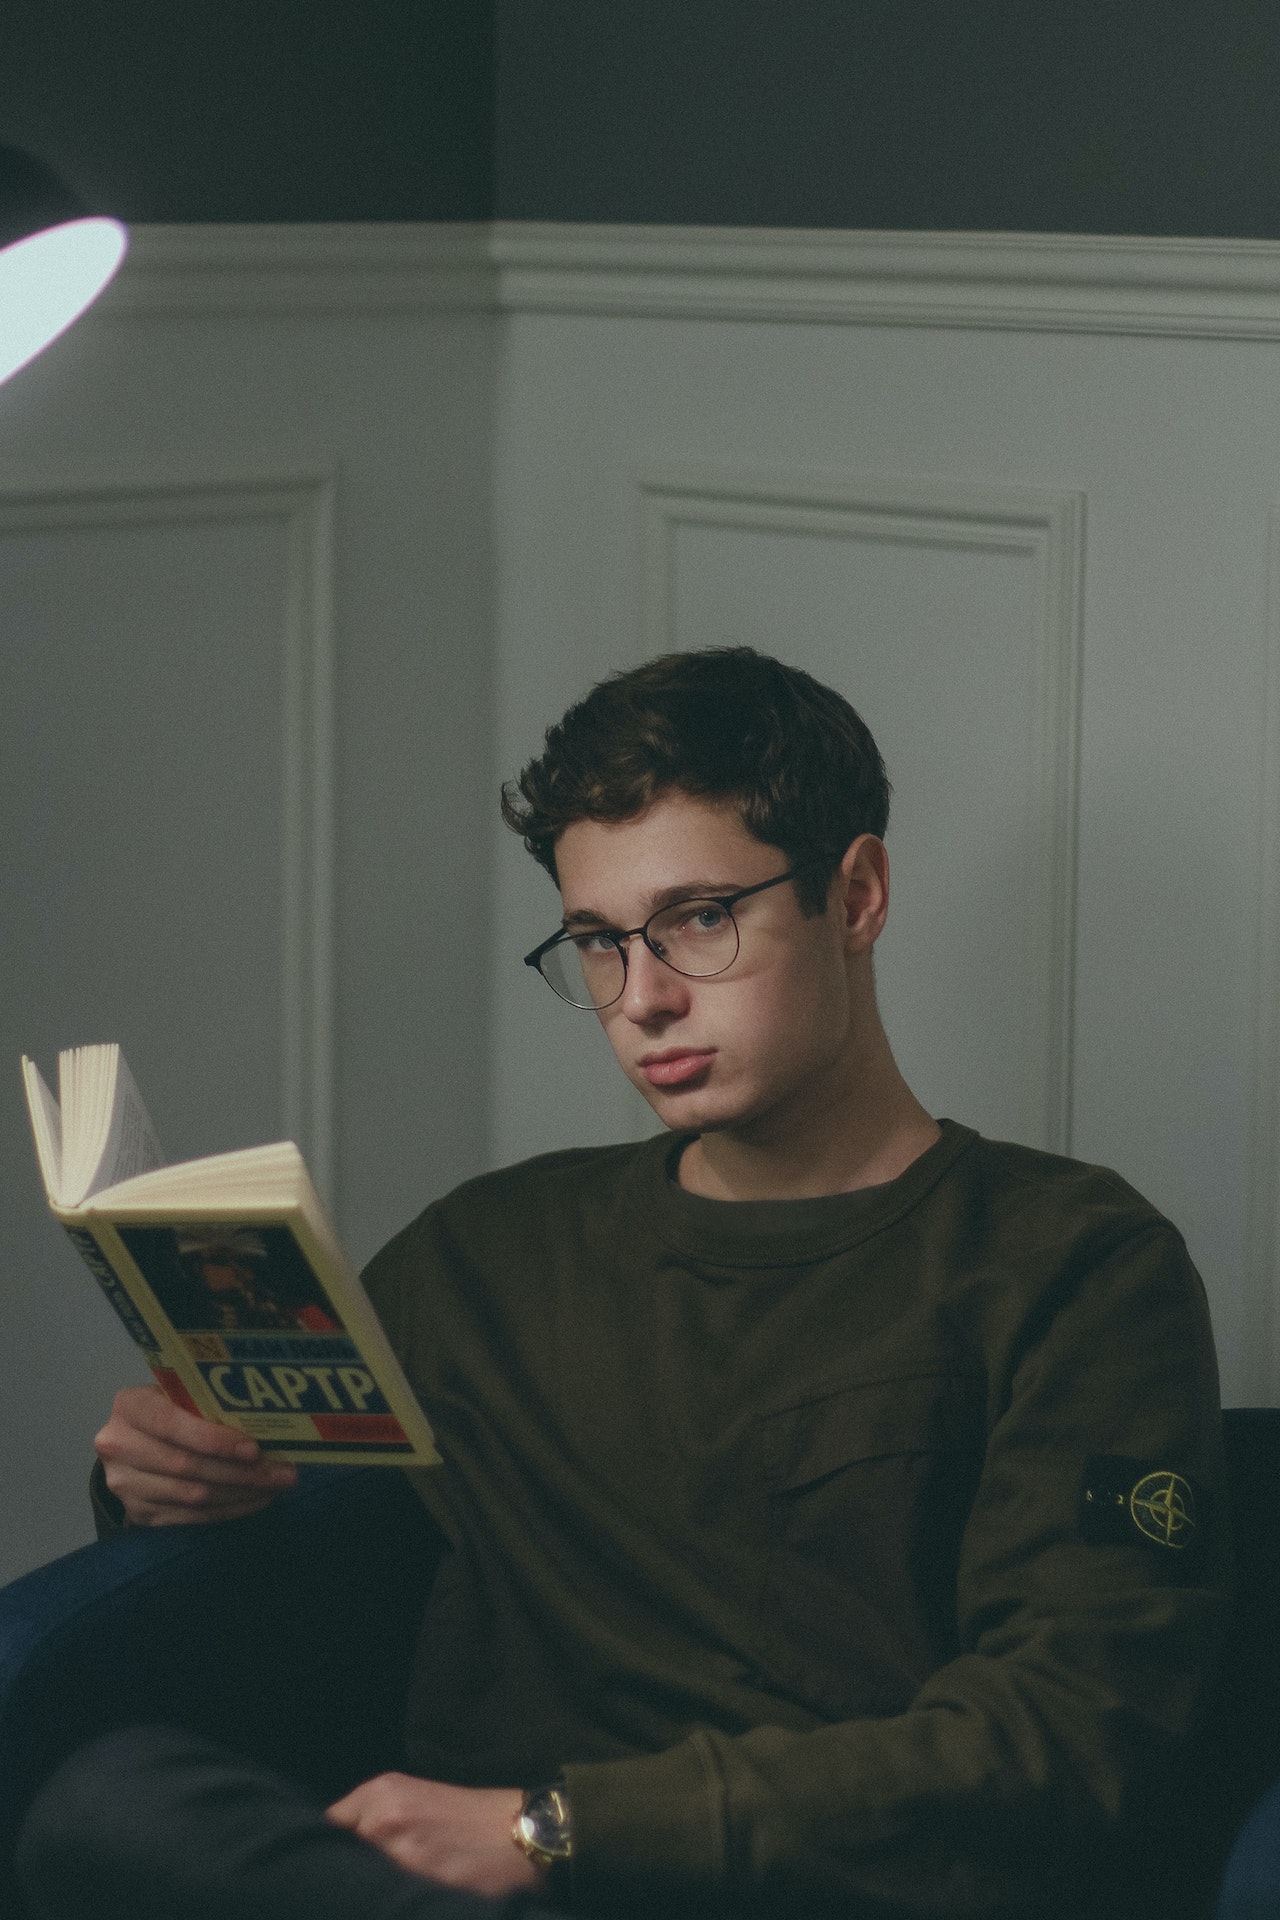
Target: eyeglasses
x,y
699,938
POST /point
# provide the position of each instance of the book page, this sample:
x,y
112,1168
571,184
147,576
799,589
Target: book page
x,y
101,1102
270,1176
46,1125
132,1146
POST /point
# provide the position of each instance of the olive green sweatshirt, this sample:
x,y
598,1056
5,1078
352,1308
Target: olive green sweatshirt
x,y
859,1555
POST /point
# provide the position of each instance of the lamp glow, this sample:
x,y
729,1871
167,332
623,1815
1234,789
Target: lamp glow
x,y
48,279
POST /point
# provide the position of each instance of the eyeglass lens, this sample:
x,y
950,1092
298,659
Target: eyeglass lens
x,y
695,937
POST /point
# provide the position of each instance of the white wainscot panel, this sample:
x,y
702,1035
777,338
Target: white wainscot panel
x,y
950,616
164,726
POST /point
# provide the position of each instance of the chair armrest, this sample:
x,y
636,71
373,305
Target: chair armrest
x,y
288,1634
1236,1756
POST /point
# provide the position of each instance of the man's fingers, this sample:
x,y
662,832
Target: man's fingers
x,y
168,1466
146,1411
166,1506
153,1500
144,1453
206,1480
346,1812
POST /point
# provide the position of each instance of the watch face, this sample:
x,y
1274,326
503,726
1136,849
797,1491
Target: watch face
x,y
544,1823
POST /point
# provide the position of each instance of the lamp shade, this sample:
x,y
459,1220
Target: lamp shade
x,y
55,257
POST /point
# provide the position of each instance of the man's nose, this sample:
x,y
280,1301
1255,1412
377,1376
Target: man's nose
x,y
652,987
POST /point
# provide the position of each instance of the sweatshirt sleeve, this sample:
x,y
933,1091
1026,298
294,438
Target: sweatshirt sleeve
x,y
1091,1594
109,1516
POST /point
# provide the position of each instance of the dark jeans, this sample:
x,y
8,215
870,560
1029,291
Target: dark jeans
x,y
151,1824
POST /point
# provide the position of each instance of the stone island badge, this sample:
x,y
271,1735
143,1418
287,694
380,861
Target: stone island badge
x,y
1163,1507
1123,1499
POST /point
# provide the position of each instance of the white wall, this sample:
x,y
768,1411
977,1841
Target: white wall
x,y
244,696
1016,498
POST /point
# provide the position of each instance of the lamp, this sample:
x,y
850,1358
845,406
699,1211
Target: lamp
x,y
54,257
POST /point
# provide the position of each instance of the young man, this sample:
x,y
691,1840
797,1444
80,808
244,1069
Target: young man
x,y
830,1489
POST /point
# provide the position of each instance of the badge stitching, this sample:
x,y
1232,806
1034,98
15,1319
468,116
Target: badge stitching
x,y
1163,1507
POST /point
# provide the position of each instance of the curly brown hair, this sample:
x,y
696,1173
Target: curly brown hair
x,y
722,723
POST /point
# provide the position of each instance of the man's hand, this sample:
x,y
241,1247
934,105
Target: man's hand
x,y
459,1836
170,1468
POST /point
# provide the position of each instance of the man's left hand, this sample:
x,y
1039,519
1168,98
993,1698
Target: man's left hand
x,y
459,1836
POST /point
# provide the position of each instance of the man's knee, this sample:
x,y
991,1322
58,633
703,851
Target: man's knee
x,y
149,1823
115,1815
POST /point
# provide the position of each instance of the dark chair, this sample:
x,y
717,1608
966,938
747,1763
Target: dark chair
x,y
1238,1758
290,1636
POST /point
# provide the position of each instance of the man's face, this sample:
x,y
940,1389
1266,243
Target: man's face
x,y
756,1045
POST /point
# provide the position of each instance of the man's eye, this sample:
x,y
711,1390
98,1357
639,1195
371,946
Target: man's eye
x,y
706,917
593,943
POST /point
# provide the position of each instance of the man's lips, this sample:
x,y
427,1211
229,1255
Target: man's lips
x,y
676,1065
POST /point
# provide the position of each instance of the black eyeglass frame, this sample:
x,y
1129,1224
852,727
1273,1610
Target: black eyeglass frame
x,y
727,901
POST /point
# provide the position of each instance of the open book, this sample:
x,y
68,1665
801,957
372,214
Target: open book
x,y
226,1272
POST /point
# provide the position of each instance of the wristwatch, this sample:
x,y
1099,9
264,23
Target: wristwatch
x,y
543,1828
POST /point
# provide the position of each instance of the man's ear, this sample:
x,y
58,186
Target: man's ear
x,y
863,883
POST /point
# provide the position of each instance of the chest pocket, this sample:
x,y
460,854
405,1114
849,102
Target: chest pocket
x,y
867,1491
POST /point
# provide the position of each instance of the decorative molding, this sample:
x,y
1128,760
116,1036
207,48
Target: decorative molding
x,y
1262,1210
1029,282
1026,282
304,503
1048,528
307,507
390,267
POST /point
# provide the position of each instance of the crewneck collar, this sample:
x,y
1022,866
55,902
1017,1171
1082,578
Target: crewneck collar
x,y
768,1233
